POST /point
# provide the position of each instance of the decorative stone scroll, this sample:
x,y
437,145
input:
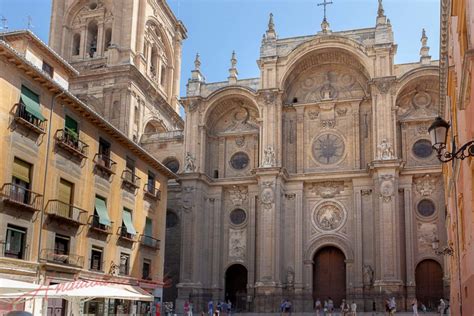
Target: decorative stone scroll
x,y
425,185
328,189
238,195
386,188
267,195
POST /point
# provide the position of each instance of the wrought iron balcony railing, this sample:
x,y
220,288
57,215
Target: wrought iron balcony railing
x,y
152,191
28,120
64,211
55,256
69,141
104,163
24,199
149,242
125,235
95,225
130,179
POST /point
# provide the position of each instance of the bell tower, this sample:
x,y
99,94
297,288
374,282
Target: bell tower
x,y
128,54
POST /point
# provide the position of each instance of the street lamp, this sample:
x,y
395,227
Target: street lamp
x,y
439,134
448,250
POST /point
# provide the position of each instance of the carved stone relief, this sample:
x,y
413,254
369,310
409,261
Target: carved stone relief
x,y
269,159
329,216
385,150
328,189
427,232
267,195
238,195
237,243
189,163
425,185
188,198
419,99
386,188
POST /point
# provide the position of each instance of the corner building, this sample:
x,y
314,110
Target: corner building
x,y
79,200
314,180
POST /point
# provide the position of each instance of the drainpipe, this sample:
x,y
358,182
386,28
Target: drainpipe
x,y
43,204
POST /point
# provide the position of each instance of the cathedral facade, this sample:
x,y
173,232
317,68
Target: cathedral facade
x,y
314,180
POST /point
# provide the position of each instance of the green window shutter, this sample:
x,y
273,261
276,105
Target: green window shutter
x,y
101,210
148,227
21,170
31,102
71,126
127,221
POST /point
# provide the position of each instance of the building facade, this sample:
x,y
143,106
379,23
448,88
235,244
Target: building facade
x,y
314,180
128,54
457,90
79,199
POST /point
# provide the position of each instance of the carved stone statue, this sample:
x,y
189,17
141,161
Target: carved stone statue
x,y
93,47
269,157
290,277
368,275
189,165
385,151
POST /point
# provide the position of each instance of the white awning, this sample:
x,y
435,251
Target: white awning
x,y
86,290
12,287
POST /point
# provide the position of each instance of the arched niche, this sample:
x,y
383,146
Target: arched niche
x,y
327,74
153,127
418,97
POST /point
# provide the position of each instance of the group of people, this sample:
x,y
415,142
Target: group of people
x,y
391,307
328,308
222,309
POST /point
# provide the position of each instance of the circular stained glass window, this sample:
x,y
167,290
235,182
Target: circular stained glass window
x,y
239,161
426,207
238,216
171,220
422,148
172,164
328,149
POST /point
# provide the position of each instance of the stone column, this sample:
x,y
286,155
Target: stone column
x,y
358,286
410,237
176,73
300,153
100,39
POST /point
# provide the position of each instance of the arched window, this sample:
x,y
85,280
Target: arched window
x,y
92,31
76,44
163,75
108,39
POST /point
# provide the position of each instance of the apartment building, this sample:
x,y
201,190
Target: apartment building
x,y
79,199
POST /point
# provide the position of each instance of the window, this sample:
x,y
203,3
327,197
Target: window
x,y
172,164
65,197
29,108
239,161
96,258
238,216
151,182
47,68
61,248
163,75
136,115
92,31
101,215
128,230
21,180
130,170
422,148
15,242
71,128
171,219
148,228
124,264
104,153
108,38
146,270
76,44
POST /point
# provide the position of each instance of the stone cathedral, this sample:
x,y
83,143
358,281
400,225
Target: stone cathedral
x,y
314,180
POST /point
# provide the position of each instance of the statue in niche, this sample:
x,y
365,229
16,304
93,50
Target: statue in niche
x,y
189,165
385,150
328,92
93,47
290,278
269,157
368,275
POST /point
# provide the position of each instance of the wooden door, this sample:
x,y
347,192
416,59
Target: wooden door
x,y
329,275
429,283
56,307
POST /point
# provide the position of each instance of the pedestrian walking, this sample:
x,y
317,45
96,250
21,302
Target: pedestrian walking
x,y
229,307
414,306
210,308
325,307
330,306
317,306
344,308
186,308
392,306
353,309
441,306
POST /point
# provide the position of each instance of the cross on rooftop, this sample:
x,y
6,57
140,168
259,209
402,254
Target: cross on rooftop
x,y
325,4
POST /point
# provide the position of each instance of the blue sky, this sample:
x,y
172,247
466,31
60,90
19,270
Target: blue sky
x,y
216,27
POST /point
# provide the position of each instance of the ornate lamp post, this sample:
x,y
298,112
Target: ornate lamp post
x,y
439,135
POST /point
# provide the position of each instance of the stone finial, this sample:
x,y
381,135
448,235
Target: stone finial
x,y
197,62
425,57
380,10
325,26
233,69
270,34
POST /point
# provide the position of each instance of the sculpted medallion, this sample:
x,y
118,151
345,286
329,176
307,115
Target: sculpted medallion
x,y
329,217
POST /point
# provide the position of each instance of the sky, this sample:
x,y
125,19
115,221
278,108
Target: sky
x,y
217,27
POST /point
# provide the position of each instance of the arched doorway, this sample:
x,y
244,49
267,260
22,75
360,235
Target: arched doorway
x,y
236,286
329,275
429,283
